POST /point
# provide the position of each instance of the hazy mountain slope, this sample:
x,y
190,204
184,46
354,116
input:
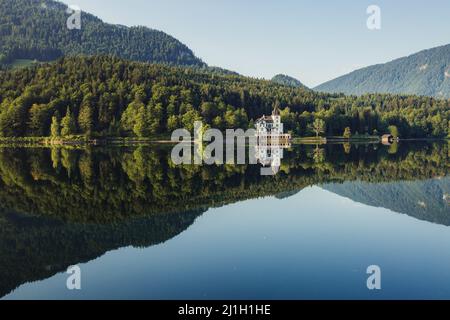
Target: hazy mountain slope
x,y
424,73
31,29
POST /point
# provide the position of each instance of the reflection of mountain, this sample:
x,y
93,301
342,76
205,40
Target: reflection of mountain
x,y
287,194
37,248
424,200
75,205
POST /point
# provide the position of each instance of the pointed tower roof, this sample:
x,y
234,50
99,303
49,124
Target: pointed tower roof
x,y
276,110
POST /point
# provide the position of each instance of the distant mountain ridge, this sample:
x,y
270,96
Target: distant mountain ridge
x,y
38,30
425,73
289,81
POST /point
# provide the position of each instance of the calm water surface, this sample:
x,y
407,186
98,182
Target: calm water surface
x,y
141,228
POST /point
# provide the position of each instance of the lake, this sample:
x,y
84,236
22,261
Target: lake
x,y
140,227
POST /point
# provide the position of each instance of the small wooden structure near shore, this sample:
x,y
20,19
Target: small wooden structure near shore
x,y
389,139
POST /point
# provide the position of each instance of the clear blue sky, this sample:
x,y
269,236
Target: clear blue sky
x,y
314,41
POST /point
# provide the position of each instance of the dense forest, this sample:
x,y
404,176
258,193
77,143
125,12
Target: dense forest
x,y
108,96
31,29
424,73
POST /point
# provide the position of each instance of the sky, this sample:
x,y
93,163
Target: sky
x,y
313,41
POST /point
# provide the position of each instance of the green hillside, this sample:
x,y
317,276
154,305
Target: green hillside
x,y
108,96
287,81
38,30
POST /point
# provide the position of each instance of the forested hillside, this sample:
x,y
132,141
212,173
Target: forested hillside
x,y
287,81
31,29
424,73
112,97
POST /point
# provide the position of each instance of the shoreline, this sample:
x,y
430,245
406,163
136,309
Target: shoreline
x,y
81,141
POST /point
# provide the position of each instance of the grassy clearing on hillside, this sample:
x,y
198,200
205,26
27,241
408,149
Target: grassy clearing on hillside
x,y
23,63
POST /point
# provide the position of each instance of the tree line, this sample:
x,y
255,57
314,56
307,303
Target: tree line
x,y
109,97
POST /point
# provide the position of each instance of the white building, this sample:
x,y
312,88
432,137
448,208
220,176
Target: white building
x,y
271,140
270,125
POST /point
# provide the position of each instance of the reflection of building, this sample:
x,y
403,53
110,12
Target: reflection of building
x,y
268,155
271,140
446,198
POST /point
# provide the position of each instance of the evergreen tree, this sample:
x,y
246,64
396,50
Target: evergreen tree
x,y
154,118
318,127
39,116
68,124
142,126
347,133
55,129
86,120
189,118
172,123
394,131
129,116
218,123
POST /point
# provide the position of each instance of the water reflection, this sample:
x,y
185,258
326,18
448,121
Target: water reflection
x,y
65,206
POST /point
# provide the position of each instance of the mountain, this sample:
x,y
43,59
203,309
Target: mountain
x,y
37,30
425,200
425,73
288,81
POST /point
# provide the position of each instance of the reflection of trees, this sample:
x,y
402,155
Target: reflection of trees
x,y
111,184
37,248
393,149
347,148
319,155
